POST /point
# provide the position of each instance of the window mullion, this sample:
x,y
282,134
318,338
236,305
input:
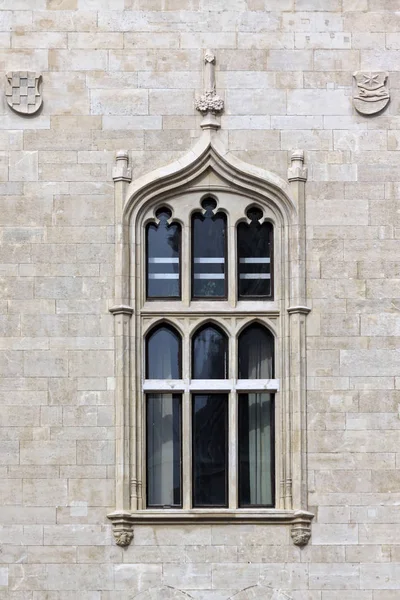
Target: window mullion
x,y
186,451
233,452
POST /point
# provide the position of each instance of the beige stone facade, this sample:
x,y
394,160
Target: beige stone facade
x,y
125,74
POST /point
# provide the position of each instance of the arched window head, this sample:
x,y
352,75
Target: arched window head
x,y
209,273
256,353
163,353
163,257
254,249
209,353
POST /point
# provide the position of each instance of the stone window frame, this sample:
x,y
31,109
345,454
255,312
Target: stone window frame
x,y
208,169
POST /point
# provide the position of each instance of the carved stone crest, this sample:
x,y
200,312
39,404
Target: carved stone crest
x,y
23,93
372,93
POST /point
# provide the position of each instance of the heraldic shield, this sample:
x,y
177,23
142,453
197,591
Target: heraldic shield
x,y
372,94
23,92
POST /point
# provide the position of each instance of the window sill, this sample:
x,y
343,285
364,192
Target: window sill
x,y
124,521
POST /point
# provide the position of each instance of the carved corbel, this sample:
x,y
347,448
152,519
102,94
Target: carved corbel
x,y
121,171
301,527
122,527
297,171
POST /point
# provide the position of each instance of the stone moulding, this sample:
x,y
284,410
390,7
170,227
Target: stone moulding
x,y
287,202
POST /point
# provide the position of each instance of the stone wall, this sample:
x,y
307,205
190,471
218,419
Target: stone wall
x,y
124,74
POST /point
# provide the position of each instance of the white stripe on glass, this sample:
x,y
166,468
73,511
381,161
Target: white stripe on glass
x,y
163,260
163,275
216,260
255,276
209,276
255,261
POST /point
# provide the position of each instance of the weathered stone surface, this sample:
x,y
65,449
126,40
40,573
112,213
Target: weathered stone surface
x,y
124,74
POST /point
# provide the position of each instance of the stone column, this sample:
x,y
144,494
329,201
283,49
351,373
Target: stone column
x,y
122,312
298,311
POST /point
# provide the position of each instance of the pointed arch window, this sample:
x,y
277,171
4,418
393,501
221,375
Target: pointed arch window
x,y
254,250
210,419
163,420
209,272
256,418
163,244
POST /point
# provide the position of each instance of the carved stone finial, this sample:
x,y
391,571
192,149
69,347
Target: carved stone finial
x,y
122,527
372,93
209,104
121,171
23,91
297,172
301,527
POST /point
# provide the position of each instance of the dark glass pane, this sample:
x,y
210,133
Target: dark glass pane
x,y
256,457
208,261
163,354
164,450
256,353
209,354
255,256
163,257
210,450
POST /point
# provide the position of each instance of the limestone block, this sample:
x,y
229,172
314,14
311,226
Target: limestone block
x,y
171,102
255,102
245,122
39,40
243,60
44,492
174,79
290,60
96,492
11,363
366,41
79,577
125,102
323,102
137,578
45,364
313,21
135,122
205,40
256,140
336,40
76,535
189,535
23,166
95,453
266,40
48,453
380,577
95,40
243,575
64,20
190,576
83,211
335,576
77,60
43,325
90,363
138,39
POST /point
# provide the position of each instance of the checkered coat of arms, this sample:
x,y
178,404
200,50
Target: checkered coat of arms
x,y
23,91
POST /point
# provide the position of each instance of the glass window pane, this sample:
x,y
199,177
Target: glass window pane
x,y
210,450
256,353
209,354
256,459
255,256
208,253
163,354
163,257
164,450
